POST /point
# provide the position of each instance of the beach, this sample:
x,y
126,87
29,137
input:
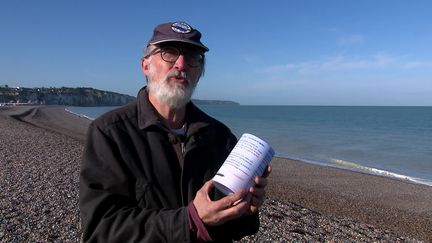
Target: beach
x,y
40,154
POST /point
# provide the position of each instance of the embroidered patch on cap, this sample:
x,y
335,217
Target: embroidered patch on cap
x,y
181,27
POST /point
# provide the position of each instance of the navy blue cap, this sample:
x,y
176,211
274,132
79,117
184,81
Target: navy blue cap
x,y
177,32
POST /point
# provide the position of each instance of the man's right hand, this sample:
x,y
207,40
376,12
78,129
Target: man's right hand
x,y
218,212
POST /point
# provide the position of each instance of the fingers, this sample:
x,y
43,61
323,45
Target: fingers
x,y
232,206
234,211
260,182
231,200
204,191
208,186
217,212
258,196
267,171
257,201
258,191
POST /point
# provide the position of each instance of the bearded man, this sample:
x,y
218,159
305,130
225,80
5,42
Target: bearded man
x,y
147,168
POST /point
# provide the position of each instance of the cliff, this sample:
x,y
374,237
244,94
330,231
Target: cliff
x,y
214,102
82,96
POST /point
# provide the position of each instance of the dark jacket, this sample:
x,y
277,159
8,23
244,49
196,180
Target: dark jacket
x,y
133,188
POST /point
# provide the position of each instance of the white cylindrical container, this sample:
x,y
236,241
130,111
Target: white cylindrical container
x,y
248,159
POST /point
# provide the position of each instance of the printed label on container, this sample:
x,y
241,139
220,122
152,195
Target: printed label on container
x,y
248,159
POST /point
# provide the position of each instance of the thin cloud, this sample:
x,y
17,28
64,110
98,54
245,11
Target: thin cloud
x,y
343,63
350,40
415,65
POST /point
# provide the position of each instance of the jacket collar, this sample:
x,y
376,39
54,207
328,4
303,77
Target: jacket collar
x,y
148,115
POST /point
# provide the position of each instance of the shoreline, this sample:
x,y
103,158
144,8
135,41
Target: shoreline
x,y
358,168
339,164
54,118
79,115
378,206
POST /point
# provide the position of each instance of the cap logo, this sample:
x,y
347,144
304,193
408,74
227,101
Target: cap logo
x,y
181,27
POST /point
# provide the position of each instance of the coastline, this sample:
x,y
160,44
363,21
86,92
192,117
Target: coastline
x,y
354,167
375,207
53,118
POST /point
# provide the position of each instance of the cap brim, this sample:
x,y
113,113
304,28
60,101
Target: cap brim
x,y
183,41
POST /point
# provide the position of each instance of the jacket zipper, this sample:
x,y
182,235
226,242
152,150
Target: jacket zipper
x,y
183,147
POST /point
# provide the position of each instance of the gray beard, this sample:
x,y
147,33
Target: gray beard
x,y
174,96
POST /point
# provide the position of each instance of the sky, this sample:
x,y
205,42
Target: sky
x,y
347,52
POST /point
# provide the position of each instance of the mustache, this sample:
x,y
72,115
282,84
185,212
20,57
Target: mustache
x,y
178,74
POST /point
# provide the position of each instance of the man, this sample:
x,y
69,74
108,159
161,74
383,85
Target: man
x,y
147,167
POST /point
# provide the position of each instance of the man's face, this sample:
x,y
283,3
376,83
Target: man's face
x,y
173,72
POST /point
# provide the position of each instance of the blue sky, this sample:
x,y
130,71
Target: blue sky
x,y
261,52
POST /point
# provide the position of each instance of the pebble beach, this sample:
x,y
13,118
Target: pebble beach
x,y
40,154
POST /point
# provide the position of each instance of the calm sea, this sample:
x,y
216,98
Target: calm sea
x,y
388,141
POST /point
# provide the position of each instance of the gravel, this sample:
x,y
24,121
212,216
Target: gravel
x,y
288,222
39,175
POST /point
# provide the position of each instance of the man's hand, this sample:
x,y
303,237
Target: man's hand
x,y
232,206
258,191
218,212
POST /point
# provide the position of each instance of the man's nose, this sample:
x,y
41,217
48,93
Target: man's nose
x,y
180,63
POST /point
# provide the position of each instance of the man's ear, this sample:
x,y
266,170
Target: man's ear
x,y
145,66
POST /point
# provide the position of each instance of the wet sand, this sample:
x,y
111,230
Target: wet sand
x,y
40,152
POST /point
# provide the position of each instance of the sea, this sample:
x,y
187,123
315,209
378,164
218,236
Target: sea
x,y
390,141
